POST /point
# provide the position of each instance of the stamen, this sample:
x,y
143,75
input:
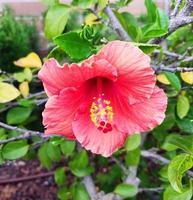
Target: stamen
x,y
101,113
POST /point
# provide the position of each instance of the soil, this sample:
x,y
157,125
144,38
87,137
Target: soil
x,y
26,180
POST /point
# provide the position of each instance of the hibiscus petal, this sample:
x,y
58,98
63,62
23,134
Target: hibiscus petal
x,y
136,79
59,112
140,117
93,139
56,77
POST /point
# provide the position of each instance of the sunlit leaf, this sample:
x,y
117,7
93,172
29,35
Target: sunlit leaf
x,y
174,80
178,166
32,60
24,89
56,19
126,190
163,79
171,194
91,19
187,77
8,92
183,106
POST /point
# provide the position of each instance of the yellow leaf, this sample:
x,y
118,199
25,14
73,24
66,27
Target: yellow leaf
x,y
24,89
31,60
91,19
187,77
163,79
8,92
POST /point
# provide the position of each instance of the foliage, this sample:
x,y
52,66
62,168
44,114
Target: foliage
x,y
16,39
75,32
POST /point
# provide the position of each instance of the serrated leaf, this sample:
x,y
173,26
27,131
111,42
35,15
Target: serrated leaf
x,y
32,60
15,150
177,167
126,190
24,89
56,19
183,106
187,77
76,47
174,80
8,92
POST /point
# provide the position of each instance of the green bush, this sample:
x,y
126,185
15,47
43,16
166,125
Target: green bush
x,y
16,39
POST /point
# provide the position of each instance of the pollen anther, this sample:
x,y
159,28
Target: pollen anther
x,y
101,113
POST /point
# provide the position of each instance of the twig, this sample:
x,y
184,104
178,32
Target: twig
x,y
90,186
159,189
172,68
156,157
120,165
26,178
116,24
26,133
182,19
176,9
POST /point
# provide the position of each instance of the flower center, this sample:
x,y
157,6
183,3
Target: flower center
x,y
101,113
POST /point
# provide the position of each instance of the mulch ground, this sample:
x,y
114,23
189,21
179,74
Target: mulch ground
x,y
26,181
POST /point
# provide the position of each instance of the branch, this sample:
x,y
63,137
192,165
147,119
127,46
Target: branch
x,y
177,21
172,68
26,133
156,157
116,24
90,186
176,9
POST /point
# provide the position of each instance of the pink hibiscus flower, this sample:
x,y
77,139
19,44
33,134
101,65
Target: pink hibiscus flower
x,y
102,100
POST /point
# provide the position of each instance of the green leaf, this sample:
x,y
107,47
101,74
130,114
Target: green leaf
x,y
76,47
177,167
167,145
43,157
53,152
56,19
59,176
170,194
63,194
28,74
133,157
133,141
147,48
126,190
174,80
15,150
83,4
185,125
79,192
151,10
130,24
79,165
183,106
102,3
183,142
67,147
56,140
18,115
50,2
